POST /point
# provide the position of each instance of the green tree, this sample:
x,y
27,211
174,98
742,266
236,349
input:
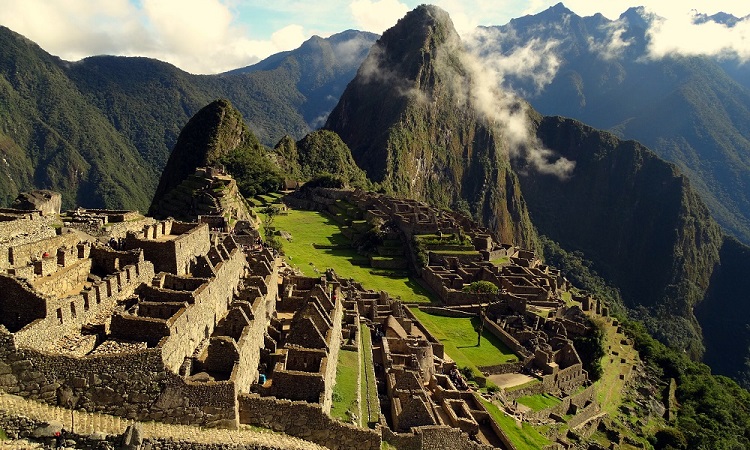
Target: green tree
x,y
481,287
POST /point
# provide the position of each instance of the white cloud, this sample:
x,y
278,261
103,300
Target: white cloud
x,y
679,34
377,16
199,36
533,62
614,45
504,108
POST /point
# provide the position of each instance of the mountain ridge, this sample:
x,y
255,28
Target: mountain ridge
x,y
691,110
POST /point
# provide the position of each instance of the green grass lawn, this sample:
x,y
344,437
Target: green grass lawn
x,y
311,227
525,437
500,261
460,340
539,402
369,385
345,395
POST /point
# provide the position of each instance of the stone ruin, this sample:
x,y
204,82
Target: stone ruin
x,y
185,322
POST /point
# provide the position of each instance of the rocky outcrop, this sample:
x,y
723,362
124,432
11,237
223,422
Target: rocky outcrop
x,y
46,201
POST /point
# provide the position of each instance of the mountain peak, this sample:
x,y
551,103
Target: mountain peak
x,y
638,16
558,10
211,133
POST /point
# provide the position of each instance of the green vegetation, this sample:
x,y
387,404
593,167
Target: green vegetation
x,y
317,244
481,287
3,435
459,336
345,392
590,348
323,152
523,436
581,273
370,404
539,402
253,170
714,411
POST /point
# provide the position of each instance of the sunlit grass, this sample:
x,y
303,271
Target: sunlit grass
x,y
524,437
459,338
345,394
311,228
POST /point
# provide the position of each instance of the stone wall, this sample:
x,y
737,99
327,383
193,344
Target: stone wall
x,y
171,245
21,427
65,279
506,338
306,421
433,438
252,338
24,253
29,227
211,304
56,315
437,348
135,385
581,401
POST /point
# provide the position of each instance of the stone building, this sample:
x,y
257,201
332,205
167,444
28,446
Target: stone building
x,y
303,342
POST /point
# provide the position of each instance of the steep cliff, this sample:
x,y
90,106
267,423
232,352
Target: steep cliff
x,y
411,124
636,217
216,135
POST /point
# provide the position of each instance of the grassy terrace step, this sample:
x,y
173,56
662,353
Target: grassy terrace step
x,y
311,227
523,436
345,393
370,401
459,337
539,402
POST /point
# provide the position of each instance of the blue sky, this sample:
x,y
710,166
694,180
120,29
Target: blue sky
x,y
210,36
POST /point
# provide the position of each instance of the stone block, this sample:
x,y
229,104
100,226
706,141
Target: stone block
x,y
8,379
23,365
79,383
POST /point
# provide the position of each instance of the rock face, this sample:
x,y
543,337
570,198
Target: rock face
x,y
48,202
635,216
412,127
213,132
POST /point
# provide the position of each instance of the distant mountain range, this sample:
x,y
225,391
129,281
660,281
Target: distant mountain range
x,y
100,130
691,110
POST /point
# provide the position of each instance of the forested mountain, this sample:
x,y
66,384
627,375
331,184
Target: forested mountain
x,y
100,130
410,126
416,123
691,110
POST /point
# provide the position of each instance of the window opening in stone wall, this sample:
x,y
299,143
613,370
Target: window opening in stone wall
x,y
73,309
59,315
85,303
